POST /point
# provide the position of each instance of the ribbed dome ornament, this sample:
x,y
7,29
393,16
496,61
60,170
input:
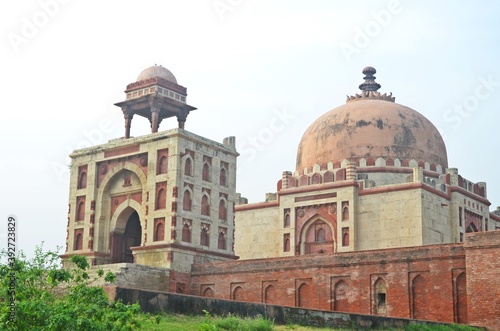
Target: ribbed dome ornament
x,y
369,84
369,88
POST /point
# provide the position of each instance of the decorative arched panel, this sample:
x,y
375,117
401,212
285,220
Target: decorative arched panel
x,y
82,180
419,298
188,166
205,205
161,198
78,244
163,165
208,292
222,210
222,240
461,301
205,235
380,297
159,230
304,296
187,201
205,174
238,294
186,230
341,297
270,295
223,177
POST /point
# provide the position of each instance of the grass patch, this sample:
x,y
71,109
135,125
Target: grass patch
x,y
171,322
208,322
204,323
451,327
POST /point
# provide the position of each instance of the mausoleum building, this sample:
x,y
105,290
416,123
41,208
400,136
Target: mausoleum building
x,y
372,220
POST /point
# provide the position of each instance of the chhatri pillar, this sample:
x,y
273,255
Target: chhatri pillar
x,y
156,96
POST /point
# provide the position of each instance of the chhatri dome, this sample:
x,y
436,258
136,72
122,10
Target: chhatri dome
x,y
156,71
371,125
156,96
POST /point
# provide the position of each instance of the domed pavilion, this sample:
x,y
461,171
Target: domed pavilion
x,y
156,96
370,174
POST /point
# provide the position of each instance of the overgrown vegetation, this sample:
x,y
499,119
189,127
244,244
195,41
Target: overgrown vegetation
x,y
173,322
48,297
233,323
51,298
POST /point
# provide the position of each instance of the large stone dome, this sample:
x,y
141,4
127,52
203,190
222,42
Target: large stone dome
x,y
369,126
157,71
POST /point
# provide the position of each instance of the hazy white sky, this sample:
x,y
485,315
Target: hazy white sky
x,y
262,71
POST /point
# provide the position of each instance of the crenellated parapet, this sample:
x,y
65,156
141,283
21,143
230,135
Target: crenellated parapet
x,y
453,178
371,95
376,162
370,172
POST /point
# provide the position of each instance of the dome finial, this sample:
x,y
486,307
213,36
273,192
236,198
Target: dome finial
x,y
369,88
369,84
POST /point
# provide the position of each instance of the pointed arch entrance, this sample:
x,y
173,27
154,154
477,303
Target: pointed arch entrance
x,y
127,234
317,235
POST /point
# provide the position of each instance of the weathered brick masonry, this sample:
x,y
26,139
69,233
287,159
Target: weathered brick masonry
x,y
483,278
448,283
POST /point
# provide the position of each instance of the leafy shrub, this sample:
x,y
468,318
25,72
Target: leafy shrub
x,y
49,297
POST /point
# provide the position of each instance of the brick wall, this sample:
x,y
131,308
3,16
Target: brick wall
x,y
417,282
160,302
483,278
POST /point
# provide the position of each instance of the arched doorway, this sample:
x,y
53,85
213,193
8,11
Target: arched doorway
x,y
122,241
317,236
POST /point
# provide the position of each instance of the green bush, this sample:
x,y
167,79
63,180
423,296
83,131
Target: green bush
x,y
48,297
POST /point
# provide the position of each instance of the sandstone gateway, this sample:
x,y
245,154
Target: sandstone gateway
x,y
372,220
